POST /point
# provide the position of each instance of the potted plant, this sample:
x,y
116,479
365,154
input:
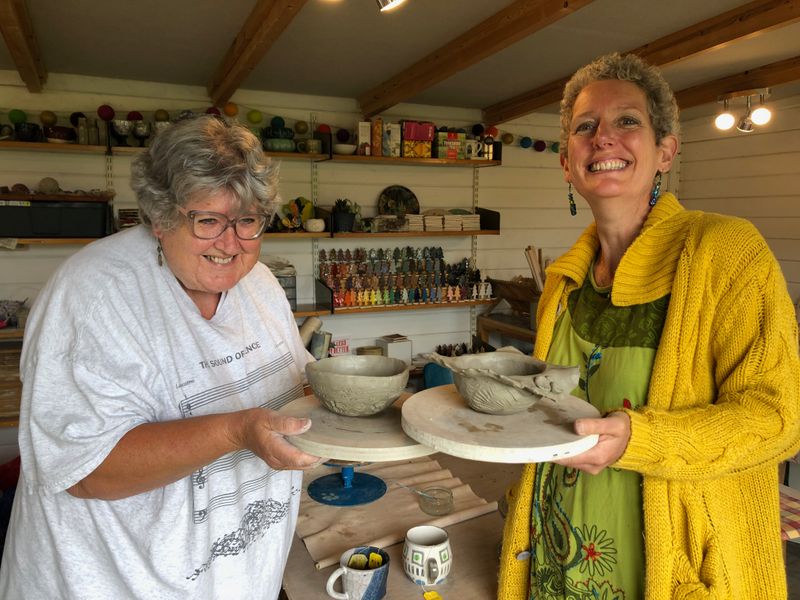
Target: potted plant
x,y
344,214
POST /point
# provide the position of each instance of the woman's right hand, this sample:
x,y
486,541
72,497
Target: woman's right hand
x,y
263,432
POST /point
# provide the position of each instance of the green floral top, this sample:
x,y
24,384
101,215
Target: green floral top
x,y
586,530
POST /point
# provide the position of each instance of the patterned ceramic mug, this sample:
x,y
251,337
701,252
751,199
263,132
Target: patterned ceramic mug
x,y
427,558
362,579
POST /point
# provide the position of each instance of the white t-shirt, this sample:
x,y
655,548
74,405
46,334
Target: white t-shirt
x,y
112,342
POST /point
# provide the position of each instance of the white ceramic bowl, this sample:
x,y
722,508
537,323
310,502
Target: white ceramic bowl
x,y
344,148
357,386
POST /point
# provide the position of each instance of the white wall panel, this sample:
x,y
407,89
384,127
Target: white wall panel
x,y
755,176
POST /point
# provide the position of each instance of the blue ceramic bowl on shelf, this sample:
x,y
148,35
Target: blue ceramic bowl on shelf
x,y
27,132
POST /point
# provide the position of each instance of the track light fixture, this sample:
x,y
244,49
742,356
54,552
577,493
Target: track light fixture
x,y
387,5
761,115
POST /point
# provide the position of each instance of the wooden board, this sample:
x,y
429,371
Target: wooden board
x,y
377,438
438,417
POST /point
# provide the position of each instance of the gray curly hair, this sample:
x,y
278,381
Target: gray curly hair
x,y
202,155
661,106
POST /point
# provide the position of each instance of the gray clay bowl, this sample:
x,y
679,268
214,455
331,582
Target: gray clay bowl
x,y
506,382
357,386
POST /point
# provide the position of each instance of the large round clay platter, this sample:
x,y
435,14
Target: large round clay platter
x,y
377,438
438,417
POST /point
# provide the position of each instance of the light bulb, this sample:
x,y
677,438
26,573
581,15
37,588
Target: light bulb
x,y
724,121
761,115
387,5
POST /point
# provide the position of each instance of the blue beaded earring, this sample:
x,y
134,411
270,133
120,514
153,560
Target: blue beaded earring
x,y
573,210
656,189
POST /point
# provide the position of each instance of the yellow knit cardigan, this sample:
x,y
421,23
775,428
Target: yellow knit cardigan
x,y
723,407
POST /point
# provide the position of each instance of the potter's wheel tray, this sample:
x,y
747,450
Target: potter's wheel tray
x,y
438,417
377,438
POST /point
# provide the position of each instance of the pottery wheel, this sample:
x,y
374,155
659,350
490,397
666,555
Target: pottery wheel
x,y
438,417
377,438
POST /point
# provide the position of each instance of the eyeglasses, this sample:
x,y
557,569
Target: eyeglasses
x,y
208,225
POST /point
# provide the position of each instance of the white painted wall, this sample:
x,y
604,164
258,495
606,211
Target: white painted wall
x,y
754,175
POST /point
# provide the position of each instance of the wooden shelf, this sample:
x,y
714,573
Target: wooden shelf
x,y
426,162
398,307
294,235
51,147
11,333
311,310
62,197
131,150
55,241
391,234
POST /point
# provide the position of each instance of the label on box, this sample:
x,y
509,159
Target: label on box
x,y
364,137
376,146
413,130
416,149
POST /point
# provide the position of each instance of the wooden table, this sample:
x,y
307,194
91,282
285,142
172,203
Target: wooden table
x,y
475,545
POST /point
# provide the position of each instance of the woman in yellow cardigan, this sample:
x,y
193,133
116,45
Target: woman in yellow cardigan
x,y
687,342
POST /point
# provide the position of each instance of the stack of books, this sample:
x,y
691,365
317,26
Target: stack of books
x,y
452,222
415,222
471,222
434,222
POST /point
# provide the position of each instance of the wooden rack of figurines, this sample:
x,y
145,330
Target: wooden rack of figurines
x,y
396,276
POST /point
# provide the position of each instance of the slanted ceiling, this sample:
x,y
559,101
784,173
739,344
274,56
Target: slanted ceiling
x,y
508,58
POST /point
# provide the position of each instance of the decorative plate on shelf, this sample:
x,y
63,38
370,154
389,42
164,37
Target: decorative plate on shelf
x,y
397,200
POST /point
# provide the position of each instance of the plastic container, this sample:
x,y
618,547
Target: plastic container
x,y
436,500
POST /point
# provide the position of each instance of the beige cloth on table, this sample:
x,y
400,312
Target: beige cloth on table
x,y
328,530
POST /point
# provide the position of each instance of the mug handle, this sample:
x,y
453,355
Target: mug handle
x,y
331,580
432,571
301,146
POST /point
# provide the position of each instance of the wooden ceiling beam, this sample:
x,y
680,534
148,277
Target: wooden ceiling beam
x,y
742,22
17,30
515,22
782,71
266,22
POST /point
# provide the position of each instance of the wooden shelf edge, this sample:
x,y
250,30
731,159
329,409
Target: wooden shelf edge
x,y
427,162
399,307
12,333
365,234
288,235
55,241
310,310
51,147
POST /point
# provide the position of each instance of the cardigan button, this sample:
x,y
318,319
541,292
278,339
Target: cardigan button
x,y
524,555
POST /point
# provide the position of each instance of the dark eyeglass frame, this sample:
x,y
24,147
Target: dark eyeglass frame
x,y
234,223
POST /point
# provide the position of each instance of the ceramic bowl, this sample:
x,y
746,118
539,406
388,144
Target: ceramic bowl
x,y
27,132
344,148
507,381
357,386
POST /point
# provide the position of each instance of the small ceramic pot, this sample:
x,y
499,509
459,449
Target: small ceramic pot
x,y
278,145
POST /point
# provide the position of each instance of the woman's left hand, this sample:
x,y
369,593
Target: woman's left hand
x,y
614,431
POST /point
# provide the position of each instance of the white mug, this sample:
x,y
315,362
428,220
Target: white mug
x,y
427,558
360,583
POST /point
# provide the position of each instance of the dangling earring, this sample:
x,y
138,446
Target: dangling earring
x,y
656,189
573,210
159,255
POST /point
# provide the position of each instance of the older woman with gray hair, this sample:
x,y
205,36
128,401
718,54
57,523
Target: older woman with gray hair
x,y
154,464
686,339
